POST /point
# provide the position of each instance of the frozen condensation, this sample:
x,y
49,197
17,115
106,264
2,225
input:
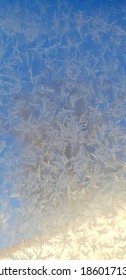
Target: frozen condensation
x,y
63,127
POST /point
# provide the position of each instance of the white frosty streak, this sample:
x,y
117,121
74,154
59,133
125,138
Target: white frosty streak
x,y
98,235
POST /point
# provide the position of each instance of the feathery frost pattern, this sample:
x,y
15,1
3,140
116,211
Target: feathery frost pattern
x,y
63,129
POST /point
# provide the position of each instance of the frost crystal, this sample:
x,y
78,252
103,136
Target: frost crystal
x,y
63,127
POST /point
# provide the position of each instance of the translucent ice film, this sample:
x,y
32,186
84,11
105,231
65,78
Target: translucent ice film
x,y
63,129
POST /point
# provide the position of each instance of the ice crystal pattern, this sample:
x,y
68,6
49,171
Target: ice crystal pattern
x,y
62,120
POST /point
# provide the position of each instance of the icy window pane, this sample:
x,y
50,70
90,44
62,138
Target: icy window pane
x,y
63,129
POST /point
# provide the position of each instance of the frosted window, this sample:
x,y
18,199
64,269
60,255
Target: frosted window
x,y
63,129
